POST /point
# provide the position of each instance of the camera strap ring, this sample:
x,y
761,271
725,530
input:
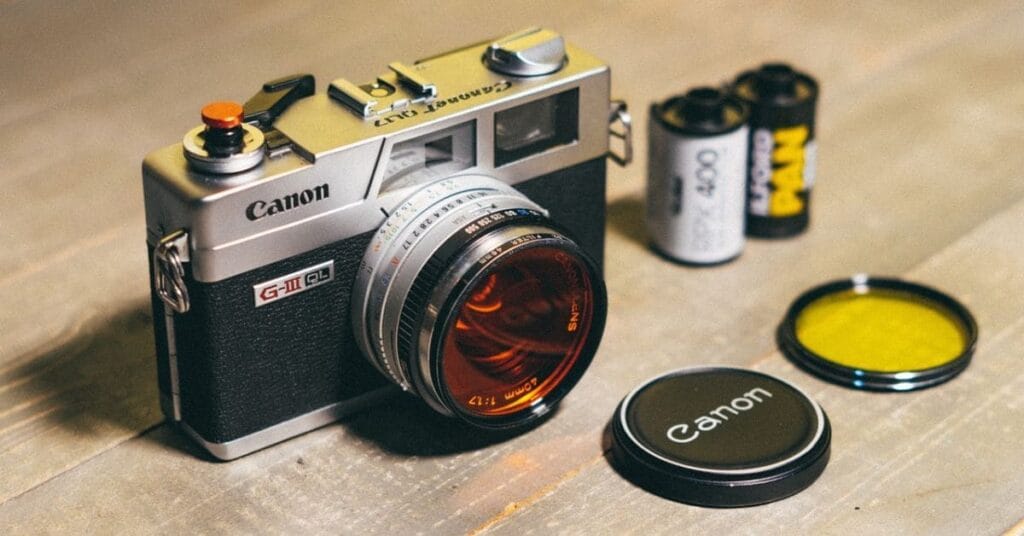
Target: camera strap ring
x,y
168,272
619,114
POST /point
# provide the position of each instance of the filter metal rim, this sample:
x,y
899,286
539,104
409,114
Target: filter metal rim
x,y
874,380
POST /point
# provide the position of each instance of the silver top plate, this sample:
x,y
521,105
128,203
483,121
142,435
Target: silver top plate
x,y
335,146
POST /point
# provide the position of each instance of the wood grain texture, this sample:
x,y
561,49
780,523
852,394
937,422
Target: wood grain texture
x,y
920,126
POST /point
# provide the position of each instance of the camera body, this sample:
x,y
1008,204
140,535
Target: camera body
x,y
254,253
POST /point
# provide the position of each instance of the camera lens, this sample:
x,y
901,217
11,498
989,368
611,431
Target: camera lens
x,y
517,333
471,298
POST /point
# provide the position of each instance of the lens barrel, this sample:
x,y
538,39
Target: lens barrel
x,y
471,298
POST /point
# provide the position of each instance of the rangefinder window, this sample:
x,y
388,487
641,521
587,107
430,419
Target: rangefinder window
x,y
431,157
536,126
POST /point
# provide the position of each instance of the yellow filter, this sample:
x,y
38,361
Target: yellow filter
x,y
881,330
879,334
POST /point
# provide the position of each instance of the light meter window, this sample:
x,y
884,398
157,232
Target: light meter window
x,y
430,157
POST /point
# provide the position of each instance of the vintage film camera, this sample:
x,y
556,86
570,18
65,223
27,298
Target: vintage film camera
x,y
441,229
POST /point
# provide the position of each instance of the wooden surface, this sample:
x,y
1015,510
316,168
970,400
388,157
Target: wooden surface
x,y
920,136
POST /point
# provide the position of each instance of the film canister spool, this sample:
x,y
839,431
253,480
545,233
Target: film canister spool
x,y
720,436
696,184
782,148
879,334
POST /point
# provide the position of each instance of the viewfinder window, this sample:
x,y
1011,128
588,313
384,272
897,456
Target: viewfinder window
x,y
536,126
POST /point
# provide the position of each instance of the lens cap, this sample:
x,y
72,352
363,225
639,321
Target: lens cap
x,y
720,436
879,334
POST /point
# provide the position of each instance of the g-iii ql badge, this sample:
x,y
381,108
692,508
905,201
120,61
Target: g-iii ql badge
x,y
293,283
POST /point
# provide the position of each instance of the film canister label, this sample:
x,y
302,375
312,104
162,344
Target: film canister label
x,y
783,153
696,190
781,171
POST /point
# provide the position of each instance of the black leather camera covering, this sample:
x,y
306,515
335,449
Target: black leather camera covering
x,y
575,198
242,369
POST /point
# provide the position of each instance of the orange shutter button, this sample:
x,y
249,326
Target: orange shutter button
x,y
222,114
225,143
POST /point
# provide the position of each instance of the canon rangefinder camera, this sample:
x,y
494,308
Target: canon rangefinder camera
x,y
440,229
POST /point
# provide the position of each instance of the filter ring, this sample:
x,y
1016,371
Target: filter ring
x,y
875,380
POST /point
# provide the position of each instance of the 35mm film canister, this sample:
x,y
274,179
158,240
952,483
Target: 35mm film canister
x,y
782,148
696,184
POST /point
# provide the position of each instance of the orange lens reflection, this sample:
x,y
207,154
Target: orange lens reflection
x,y
519,332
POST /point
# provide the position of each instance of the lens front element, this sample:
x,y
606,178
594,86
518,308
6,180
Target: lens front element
x,y
518,332
471,298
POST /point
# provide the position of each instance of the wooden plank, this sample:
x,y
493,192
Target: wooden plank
x,y
76,373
